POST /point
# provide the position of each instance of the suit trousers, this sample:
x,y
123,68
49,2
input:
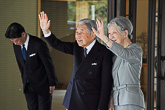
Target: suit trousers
x,y
36,101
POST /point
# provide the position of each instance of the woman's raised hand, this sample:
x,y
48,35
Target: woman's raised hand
x,y
100,30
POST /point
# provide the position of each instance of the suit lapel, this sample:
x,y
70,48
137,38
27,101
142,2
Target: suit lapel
x,y
79,56
30,47
92,55
18,53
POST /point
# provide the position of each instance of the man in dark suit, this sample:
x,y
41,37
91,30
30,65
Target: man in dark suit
x,y
91,82
36,67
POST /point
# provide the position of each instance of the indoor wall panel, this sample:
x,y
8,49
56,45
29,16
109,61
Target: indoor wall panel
x,y
25,13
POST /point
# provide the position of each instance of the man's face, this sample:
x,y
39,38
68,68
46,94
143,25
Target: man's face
x,y
83,37
19,41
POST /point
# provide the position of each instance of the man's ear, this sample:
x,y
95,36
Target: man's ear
x,y
23,34
93,35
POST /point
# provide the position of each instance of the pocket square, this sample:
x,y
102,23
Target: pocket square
x,y
32,54
94,64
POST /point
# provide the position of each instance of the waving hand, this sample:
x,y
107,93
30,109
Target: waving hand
x,y
100,30
44,22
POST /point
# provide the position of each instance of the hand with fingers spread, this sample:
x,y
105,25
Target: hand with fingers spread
x,y
44,22
100,33
100,30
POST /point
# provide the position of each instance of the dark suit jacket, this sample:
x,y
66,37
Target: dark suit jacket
x,y
91,82
38,68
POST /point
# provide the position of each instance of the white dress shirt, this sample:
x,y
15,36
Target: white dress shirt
x,y
26,42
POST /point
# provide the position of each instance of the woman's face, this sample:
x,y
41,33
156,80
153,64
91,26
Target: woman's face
x,y
115,34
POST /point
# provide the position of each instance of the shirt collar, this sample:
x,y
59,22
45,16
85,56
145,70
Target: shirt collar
x,y
89,47
26,42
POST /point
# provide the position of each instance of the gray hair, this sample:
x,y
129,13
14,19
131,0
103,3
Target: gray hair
x,y
89,23
123,24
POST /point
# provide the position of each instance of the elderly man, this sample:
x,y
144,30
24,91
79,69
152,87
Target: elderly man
x,y
91,82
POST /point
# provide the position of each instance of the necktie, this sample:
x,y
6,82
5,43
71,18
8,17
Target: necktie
x,y
24,52
85,52
24,58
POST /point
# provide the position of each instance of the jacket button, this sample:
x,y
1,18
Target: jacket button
x,y
90,72
82,93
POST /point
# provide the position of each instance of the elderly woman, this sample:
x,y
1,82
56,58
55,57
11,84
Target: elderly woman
x,y
127,94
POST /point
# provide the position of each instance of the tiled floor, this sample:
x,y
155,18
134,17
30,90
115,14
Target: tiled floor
x,y
58,96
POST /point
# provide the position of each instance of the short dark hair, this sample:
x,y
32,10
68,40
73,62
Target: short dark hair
x,y
14,30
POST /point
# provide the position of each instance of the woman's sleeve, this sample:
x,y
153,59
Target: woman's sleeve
x,y
132,53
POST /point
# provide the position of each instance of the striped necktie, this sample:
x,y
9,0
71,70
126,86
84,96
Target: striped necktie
x,y
85,52
24,52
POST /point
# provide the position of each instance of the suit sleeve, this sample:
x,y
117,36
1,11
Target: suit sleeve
x,y
48,63
132,54
19,65
66,47
106,81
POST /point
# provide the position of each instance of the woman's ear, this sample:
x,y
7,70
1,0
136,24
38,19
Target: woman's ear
x,y
126,33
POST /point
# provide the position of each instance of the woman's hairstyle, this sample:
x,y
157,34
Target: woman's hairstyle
x,y
89,23
123,24
14,30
